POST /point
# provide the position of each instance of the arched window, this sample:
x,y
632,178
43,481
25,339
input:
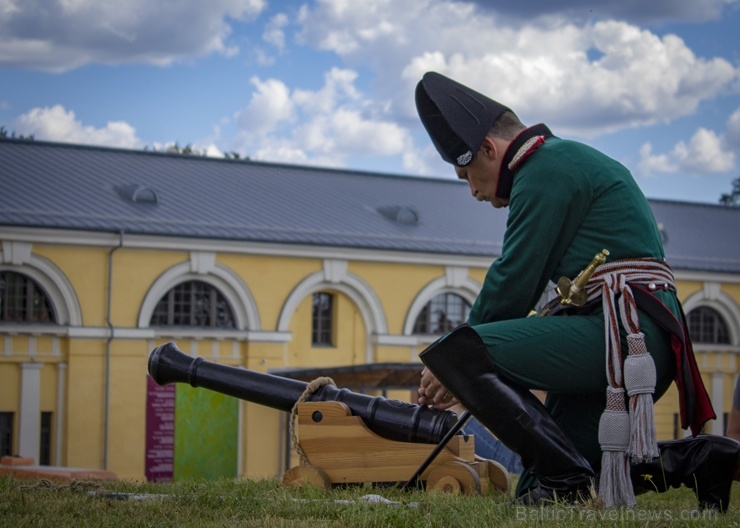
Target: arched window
x,y
23,301
442,314
707,326
193,303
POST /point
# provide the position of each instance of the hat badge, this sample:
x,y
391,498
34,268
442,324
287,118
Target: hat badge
x,y
464,159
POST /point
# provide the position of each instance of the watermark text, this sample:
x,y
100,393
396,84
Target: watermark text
x,y
545,513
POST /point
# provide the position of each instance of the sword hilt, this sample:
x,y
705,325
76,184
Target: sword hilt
x,y
571,291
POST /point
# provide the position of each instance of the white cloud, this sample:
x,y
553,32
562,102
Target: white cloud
x,y
651,164
271,104
323,126
8,7
425,161
583,76
733,130
274,33
704,154
345,131
282,152
58,124
583,80
58,36
338,86
655,11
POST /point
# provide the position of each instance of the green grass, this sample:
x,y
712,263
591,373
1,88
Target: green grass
x,y
266,503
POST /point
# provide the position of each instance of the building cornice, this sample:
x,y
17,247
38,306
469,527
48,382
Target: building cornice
x,y
108,240
175,333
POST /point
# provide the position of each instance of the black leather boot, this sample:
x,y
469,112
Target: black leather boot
x,y
512,413
706,464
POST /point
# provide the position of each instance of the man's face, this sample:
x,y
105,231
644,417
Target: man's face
x,y
482,175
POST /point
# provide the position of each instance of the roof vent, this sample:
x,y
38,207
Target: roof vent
x,y
663,233
138,194
401,214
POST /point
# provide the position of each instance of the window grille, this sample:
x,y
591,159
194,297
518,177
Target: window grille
x,y
193,303
707,326
23,301
322,319
442,314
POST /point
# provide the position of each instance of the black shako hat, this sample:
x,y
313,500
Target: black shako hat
x,y
455,117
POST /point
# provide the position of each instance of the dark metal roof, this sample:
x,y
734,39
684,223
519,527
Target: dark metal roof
x,y
54,185
699,236
90,188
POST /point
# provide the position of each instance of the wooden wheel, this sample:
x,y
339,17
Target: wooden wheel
x,y
454,477
446,484
497,475
302,476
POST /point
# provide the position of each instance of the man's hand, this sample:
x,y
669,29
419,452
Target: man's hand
x,y
432,392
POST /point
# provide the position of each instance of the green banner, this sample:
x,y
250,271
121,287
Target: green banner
x,y
206,434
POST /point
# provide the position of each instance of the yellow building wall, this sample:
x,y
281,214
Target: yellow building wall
x,y
711,365
349,336
87,270
126,408
270,281
85,403
732,290
396,286
10,387
10,394
262,427
134,271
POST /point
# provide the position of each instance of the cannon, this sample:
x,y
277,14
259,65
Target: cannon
x,y
346,437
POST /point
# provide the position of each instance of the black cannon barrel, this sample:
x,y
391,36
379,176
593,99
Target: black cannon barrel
x,y
391,419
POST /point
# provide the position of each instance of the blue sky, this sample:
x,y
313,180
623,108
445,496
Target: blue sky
x,y
330,82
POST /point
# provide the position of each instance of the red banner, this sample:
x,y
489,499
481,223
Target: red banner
x,y
160,431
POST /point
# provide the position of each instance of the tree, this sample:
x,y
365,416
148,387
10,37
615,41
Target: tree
x,y
4,134
187,150
175,148
733,198
235,156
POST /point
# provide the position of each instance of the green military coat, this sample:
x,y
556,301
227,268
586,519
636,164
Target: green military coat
x,y
568,202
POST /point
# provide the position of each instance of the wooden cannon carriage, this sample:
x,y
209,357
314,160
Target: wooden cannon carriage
x,y
343,437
